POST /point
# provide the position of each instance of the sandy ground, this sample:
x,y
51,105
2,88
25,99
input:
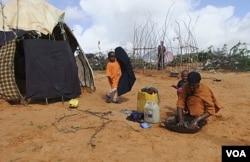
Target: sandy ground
x,y
97,131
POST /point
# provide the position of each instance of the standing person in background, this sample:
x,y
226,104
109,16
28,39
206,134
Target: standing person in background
x,y
161,53
113,73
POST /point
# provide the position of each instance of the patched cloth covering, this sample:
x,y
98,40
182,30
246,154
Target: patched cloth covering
x,y
8,87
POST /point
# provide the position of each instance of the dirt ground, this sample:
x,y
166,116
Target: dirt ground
x,y
99,132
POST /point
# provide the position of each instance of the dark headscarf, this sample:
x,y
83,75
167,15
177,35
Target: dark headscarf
x,y
194,77
127,79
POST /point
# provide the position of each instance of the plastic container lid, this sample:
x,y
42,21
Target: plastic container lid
x,y
145,125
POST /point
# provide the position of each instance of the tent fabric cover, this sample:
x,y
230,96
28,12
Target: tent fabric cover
x,y
49,66
8,87
51,70
85,73
10,35
37,15
58,34
128,78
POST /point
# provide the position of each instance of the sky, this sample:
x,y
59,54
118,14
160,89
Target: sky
x,y
180,23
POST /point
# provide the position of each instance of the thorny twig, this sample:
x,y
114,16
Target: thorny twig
x,y
61,118
98,114
64,130
98,129
101,115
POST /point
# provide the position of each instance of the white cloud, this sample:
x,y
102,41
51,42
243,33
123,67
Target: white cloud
x,y
74,14
113,22
212,27
218,26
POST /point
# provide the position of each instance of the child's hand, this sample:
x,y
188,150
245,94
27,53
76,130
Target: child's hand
x,y
174,86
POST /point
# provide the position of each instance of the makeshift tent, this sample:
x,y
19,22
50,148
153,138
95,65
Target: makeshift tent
x,y
37,54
